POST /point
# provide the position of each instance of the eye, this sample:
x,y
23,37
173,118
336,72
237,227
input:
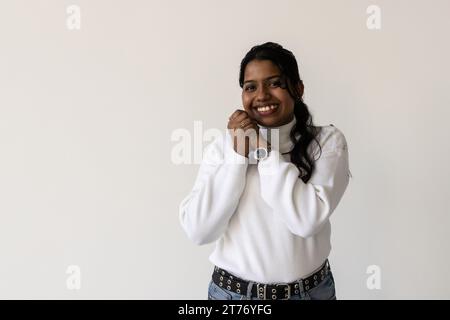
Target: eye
x,y
276,83
249,88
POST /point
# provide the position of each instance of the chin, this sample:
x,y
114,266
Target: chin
x,y
269,122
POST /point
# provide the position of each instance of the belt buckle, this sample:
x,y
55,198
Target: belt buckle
x,y
258,289
288,291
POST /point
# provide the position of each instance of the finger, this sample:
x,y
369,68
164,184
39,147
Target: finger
x,y
245,123
250,127
249,121
235,114
241,117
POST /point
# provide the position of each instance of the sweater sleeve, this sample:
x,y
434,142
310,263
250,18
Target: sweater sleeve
x,y
204,214
305,207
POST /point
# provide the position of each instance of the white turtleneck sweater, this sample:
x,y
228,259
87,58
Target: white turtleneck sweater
x,y
269,226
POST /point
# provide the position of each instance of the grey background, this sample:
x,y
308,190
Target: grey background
x,y
86,176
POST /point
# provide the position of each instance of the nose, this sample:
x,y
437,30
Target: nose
x,y
262,93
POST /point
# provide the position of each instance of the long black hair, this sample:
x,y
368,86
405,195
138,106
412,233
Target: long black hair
x,y
286,62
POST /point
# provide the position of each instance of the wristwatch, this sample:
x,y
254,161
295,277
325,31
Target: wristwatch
x,y
262,153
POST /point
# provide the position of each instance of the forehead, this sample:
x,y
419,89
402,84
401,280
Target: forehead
x,y
260,69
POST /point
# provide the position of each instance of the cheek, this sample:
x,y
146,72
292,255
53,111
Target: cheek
x,y
288,102
246,102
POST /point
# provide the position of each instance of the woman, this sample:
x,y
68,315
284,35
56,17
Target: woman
x,y
269,217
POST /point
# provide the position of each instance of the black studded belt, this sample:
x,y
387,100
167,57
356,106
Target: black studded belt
x,y
276,291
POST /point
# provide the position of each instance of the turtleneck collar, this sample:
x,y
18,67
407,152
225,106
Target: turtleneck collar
x,y
285,144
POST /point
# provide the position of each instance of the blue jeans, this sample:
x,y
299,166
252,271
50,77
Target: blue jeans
x,y
325,290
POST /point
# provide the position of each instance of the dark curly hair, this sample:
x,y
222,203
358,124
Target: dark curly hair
x,y
286,62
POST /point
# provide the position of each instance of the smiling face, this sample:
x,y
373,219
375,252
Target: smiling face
x,y
265,96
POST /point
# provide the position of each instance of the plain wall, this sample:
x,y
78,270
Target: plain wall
x,y
86,118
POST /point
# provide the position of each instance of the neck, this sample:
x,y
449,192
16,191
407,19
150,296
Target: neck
x,y
279,137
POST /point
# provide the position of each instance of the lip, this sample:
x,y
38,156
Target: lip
x,y
269,112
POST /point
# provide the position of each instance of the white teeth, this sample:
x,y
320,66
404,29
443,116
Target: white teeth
x,y
267,108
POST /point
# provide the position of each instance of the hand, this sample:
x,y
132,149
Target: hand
x,y
244,131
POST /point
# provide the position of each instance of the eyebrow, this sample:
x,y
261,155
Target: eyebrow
x,y
275,76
